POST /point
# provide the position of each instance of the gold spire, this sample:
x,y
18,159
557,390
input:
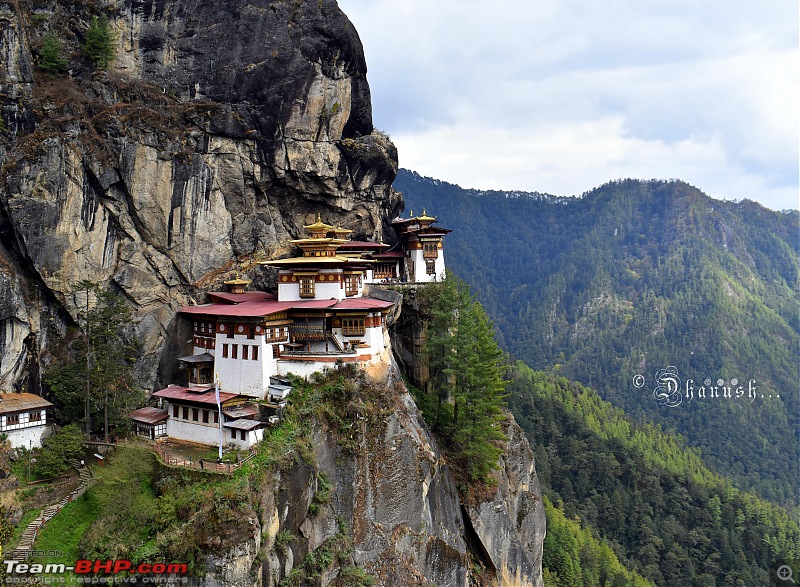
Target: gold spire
x,y
318,225
425,216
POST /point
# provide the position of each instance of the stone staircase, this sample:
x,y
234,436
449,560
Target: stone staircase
x,y
28,536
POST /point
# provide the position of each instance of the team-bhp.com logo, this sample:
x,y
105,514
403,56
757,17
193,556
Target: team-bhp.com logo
x,y
94,567
670,392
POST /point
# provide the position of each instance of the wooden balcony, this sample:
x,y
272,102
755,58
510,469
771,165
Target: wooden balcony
x,y
308,333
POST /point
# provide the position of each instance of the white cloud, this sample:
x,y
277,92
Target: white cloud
x,y
561,96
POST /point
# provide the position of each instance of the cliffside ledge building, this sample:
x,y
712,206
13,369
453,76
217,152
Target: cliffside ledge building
x,y
246,341
23,419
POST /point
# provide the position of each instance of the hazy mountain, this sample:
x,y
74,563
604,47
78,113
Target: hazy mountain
x,y
639,276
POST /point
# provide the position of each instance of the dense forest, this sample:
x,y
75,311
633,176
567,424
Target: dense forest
x,y
664,514
635,277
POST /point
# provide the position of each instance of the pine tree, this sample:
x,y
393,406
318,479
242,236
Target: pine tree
x,y
98,378
467,369
100,45
50,60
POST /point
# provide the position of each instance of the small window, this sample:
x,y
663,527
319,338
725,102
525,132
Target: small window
x,y
245,348
254,354
235,351
351,285
243,434
430,267
224,351
174,411
195,414
307,287
205,416
233,434
185,413
12,419
35,417
216,417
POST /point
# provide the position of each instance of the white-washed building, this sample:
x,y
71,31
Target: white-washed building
x,y
23,419
245,340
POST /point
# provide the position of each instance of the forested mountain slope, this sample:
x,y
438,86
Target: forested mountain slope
x,y
635,277
663,513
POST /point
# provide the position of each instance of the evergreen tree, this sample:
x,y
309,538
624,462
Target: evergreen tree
x,y
50,60
98,378
466,380
100,45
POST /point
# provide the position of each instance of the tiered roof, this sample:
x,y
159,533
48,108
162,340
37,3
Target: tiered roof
x,y
265,308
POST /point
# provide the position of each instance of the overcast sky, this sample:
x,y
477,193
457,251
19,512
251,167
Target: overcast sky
x,y
559,96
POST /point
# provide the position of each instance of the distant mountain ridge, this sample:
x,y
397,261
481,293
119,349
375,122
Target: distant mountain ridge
x,y
635,277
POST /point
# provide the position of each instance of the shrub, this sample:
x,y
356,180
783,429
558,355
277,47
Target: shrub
x,y
56,451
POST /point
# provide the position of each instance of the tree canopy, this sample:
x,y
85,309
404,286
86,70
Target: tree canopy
x,y
466,390
100,44
96,381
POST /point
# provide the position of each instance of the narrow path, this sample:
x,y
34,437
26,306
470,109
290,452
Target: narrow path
x,y
29,534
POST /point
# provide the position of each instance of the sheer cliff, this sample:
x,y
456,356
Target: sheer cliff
x,y
218,130
374,493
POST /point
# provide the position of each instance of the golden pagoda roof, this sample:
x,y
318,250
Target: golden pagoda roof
x,y
237,281
318,225
425,216
319,241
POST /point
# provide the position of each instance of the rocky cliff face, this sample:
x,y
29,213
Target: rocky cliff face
x,y
406,524
219,130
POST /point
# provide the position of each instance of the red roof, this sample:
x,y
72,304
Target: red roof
x,y
248,296
176,392
363,304
265,308
149,415
312,304
243,309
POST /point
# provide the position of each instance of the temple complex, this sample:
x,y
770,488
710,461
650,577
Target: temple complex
x,y
244,341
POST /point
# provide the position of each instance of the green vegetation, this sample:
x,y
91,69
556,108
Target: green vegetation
x,y
144,511
635,277
50,56
52,459
64,532
665,514
466,392
29,516
96,380
573,556
100,44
